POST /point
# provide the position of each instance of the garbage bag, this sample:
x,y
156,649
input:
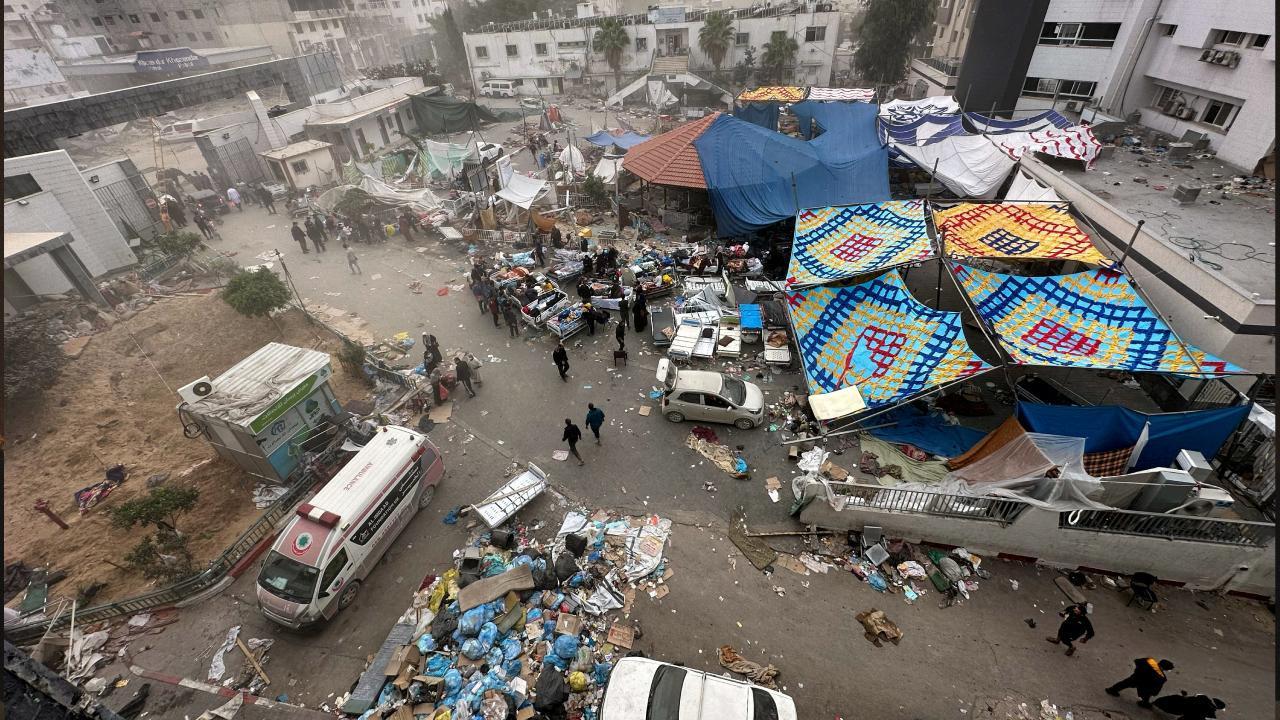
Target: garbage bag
x,y
474,649
444,624
426,644
488,634
511,648
566,646
494,657
552,692
512,668
566,566
437,666
577,682
576,544
471,621
584,660
601,673
554,661
494,708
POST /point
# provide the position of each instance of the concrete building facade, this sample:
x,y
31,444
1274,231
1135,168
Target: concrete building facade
x,y
556,55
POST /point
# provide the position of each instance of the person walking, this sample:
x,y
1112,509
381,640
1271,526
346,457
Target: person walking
x,y
301,237
624,310
561,358
1075,626
557,237
202,223
267,199
1147,678
493,306
406,225
621,334
1190,707
313,232
233,199
640,311
572,434
431,357
595,418
589,315
177,213
463,370
513,321
539,253
353,262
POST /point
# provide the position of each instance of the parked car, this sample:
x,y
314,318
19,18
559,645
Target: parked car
x,y
531,103
490,152
498,88
709,397
640,688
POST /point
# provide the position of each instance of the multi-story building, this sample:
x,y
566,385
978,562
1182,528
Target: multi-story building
x,y
555,54
937,71
1174,65
129,25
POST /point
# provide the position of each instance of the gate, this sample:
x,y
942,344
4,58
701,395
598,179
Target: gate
x,y
240,161
126,202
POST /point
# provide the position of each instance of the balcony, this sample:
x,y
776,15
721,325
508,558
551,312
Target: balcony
x,y
325,14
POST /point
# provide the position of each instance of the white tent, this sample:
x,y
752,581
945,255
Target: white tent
x,y
607,169
571,157
971,166
1026,188
898,112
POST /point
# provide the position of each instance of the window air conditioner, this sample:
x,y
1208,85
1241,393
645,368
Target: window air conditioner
x,y
1174,109
1220,57
1186,113
1233,59
1206,56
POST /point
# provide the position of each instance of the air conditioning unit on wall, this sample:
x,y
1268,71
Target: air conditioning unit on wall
x,y
1073,106
1186,113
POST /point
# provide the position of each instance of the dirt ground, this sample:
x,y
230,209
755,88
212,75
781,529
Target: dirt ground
x,y
110,406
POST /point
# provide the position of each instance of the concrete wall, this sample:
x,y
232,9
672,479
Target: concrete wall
x,y
320,170
1000,48
42,212
1035,534
1151,262
123,202
98,242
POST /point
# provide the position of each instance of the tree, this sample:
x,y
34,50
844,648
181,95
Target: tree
x,y
595,191
32,359
715,37
256,293
610,40
449,45
163,556
885,39
161,507
176,243
746,67
779,54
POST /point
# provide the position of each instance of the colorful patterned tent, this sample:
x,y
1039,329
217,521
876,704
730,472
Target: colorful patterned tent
x,y
836,243
904,111
1042,231
783,93
1073,143
825,94
877,337
1093,319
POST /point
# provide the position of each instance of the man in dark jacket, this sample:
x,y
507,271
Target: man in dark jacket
x,y
595,418
1075,626
315,231
1190,707
589,315
267,199
300,236
463,371
621,334
572,435
1147,678
539,253
561,358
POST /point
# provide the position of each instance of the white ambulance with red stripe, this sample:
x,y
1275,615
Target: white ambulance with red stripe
x,y
317,564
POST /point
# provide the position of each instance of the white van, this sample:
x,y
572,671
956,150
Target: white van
x,y
316,565
498,88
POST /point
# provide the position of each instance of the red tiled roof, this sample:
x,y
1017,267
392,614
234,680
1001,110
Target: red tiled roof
x,y
670,158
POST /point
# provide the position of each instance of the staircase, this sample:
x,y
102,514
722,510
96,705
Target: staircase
x,y
669,65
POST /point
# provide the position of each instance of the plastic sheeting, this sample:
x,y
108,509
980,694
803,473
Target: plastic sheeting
x,y
1111,427
921,131
1019,231
1025,188
753,190
904,111
522,190
971,166
928,431
623,139
1046,471
842,118
763,114
607,169
1092,319
826,94
381,192
571,157
442,114
1073,143
446,159
838,243
659,95
1047,119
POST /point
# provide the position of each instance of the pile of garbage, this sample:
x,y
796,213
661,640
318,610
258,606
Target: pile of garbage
x,y
518,626
897,567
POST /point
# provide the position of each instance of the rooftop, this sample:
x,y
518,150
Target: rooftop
x,y
1230,228
22,246
214,54
670,158
690,16
296,149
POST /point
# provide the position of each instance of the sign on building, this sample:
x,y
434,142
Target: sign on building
x,y
662,15
171,60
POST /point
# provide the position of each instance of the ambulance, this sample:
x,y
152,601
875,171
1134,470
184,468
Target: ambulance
x,y
320,559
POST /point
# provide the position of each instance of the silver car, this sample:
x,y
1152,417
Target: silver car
x,y
709,397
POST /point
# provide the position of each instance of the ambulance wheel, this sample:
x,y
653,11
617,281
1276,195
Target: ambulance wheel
x,y
348,595
743,424
675,417
428,494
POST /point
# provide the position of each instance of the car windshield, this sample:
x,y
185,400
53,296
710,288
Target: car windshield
x,y
734,390
664,693
287,578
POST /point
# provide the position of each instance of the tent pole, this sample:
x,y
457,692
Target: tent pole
x,y
937,302
795,196
1129,246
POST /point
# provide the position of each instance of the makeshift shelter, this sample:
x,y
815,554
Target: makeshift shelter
x,y
1046,471
571,157
624,139
441,114
1093,319
446,159
837,243
1072,143
1023,231
1047,119
920,131
764,114
904,111
1154,440
1025,188
971,166
782,175
379,192
670,158
607,169
875,337
784,94
520,190
826,94
928,431
843,118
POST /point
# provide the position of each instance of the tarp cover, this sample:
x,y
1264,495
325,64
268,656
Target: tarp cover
x,y
1073,143
763,114
446,159
441,114
920,131
1047,119
971,166
784,94
879,338
607,169
826,94
381,192
1111,427
1025,188
904,111
1046,471
622,138
1042,231
837,243
1093,319
925,430
751,190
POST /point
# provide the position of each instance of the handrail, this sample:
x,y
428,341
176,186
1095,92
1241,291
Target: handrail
x,y
1172,527
930,502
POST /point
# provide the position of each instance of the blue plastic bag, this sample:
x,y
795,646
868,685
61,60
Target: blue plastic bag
x,y
601,673
556,661
494,657
566,646
426,643
451,517
488,634
472,620
437,666
511,648
474,649
512,668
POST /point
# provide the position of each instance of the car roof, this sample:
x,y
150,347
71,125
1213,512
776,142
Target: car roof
x,y
703,696
699,381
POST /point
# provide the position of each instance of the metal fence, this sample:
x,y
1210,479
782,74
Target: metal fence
x,y
930,503
1172,527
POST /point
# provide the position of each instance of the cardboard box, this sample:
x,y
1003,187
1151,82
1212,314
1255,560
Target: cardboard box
x,y
568,624
424,708
624,636
405,655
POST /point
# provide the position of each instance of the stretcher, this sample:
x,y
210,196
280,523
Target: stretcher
x,y
655,287
544,307
567,322
751,323
705,347
662,321
685,340
732,348
777,348
507,500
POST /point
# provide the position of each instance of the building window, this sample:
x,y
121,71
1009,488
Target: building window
x,y
324,24
742,39
207,36
135,19
20,186
570,44
1228,37
155,17
538,48
182,14
815,34
482,52
1079,34
1050,87
108,20
75,21
297,27
197,14
1168,30
642,44
1166,98
1259,41
1218,113
541,82
191,37
513,51
166,39
311,26
299,166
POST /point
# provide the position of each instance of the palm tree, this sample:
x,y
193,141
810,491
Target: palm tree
x,y
715,37
779,53
610,40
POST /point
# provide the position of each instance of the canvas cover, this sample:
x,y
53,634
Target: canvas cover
x,y
1021,231
904,111
1093,319
877,337
446,159
1072,143
607,169
920,131
826,94
971,166
624,139
1047,119
781,175
784,94
442,114
837,243
1025,188
763,114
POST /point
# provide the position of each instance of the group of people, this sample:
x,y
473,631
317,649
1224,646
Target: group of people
x,y
1148,676
542,151
434,368
572,433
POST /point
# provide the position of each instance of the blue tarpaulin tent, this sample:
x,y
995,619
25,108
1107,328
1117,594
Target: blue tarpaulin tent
x,y
763,114
1111,427
626,140
845,165
927,431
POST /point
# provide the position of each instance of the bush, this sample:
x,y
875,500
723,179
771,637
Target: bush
x,y
256,293
351,357
595,191
161,507
162,556
179,243
222,266
32,359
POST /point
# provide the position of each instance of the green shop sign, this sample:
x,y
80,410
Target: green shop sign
x,y
278,408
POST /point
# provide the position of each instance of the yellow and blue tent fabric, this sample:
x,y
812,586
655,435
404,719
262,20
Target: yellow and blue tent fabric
x,y
838,243
1093,319
877,337
1026,231
774,93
